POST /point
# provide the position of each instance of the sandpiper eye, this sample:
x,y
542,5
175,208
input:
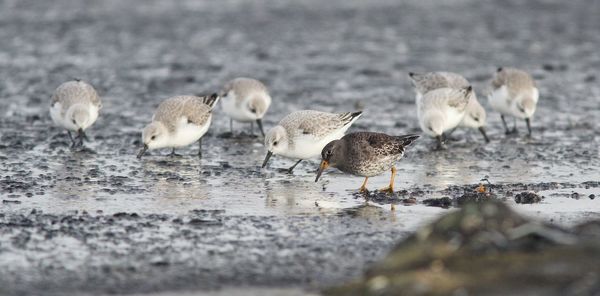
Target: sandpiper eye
x,y
253,110
74,121
275,143
475,118
153,137
521,109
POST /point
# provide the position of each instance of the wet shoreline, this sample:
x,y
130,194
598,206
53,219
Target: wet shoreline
x,y
99,220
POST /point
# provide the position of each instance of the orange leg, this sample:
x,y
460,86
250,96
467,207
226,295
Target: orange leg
x,y
363,188
390,189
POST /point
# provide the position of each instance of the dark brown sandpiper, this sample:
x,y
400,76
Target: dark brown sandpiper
x,y
365,154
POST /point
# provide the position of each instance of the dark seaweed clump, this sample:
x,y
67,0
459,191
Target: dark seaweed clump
x,y
528,198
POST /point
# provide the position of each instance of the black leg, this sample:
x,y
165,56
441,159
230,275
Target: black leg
x,y
252,128
447,135
507,131
72,140
294,166
514,131
200,148
173,153
528,126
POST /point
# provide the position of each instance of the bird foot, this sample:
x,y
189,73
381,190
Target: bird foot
x,y
387,189
363,190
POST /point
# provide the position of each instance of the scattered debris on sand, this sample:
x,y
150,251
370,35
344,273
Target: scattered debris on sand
x,y
444,202
528,198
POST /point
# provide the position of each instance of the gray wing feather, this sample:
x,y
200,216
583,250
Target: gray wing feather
x,y
173,109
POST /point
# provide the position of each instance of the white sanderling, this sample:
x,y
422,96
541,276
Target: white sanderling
x,y
303,134
514,93
75,106
246,100
475,116
179,121
442,110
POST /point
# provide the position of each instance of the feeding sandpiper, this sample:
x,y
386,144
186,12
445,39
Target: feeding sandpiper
x,y
365,154
303,134
441,110
75,106
514,93
246,100
475,116
179,121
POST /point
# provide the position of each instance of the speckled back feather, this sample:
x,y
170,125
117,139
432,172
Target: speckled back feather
x,y
243,88
73,92
434,80
516,81
369,143
316,123
454,98
170,111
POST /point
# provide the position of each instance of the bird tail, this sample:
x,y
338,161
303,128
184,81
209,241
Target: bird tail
x,y
350,117
468,91
407,139
211,100
415,77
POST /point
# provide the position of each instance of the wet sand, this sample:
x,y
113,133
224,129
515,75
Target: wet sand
x,y
222,222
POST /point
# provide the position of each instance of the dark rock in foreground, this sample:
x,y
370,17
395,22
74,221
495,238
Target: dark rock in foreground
x,y
486,249
474,197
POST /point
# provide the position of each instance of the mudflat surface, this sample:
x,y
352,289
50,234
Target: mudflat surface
x,y
99,220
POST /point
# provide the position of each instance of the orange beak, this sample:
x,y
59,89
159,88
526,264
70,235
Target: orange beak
x,y
322,167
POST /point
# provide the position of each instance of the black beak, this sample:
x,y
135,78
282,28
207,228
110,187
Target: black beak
x,y
259,123
82,134
440,141
139,155
269,154
528,126
322,167
482,130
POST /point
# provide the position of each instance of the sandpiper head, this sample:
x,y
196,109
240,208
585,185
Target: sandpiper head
x,y
78,117
155,135
276,140
331,155
257,107
433,124
525,107
475,116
